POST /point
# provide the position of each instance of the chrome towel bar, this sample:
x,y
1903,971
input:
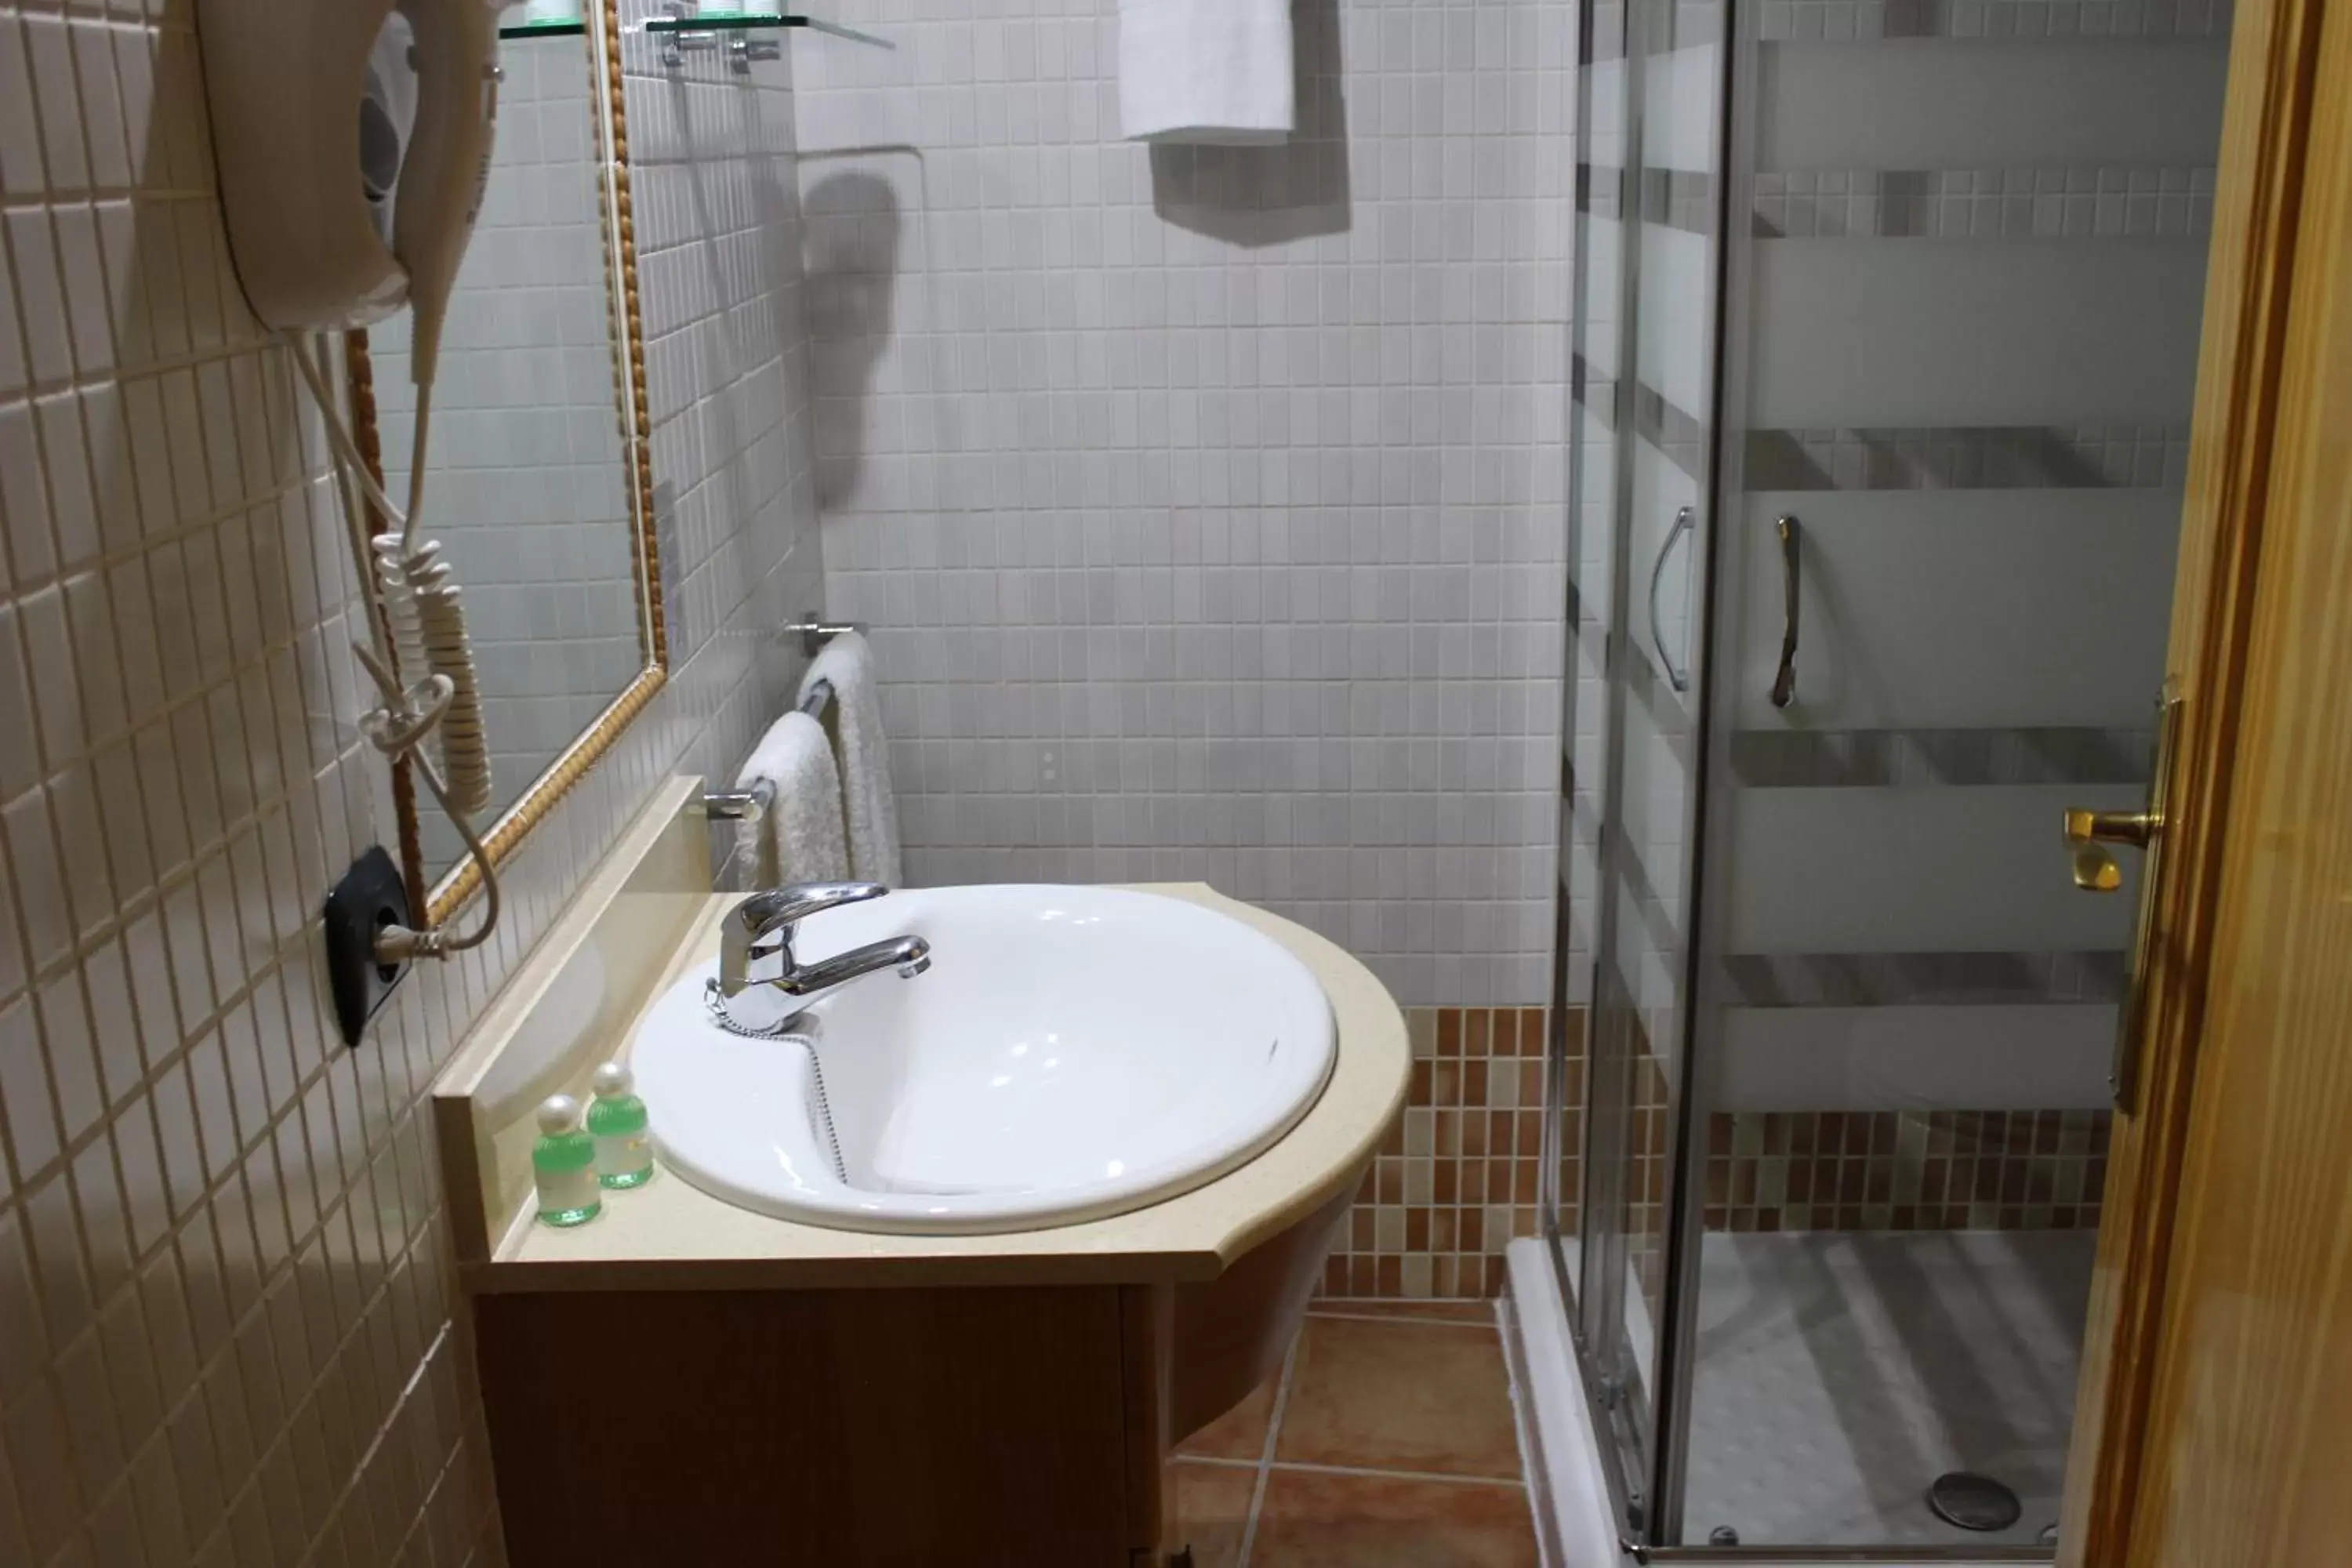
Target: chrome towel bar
x,y
741,805
814,631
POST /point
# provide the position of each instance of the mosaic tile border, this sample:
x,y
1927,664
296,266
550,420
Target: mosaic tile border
x,y
1680,436
2121,202
1690,24
1968,458
2085,203
1949,758
1834,21
1462,1173
1459,1176
1917,979
1694,23
1898,1169
1683,199
1648,1137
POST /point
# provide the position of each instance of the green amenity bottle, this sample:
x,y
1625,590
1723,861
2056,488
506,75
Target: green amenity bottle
x,y
616,1120
563,1165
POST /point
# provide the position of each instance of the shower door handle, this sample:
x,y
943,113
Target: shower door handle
x,y
2088,834
1784,678
1678,680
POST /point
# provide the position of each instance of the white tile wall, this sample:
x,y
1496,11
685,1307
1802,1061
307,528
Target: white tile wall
x,y
528,492
1210,504
224,1329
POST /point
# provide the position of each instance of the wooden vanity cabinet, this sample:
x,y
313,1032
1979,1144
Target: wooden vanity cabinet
x,y
925,1426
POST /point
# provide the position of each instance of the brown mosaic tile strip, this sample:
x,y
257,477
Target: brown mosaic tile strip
x,y
1945,758
1817,21
1621,1072
1893,1170
1968,458
1461,1174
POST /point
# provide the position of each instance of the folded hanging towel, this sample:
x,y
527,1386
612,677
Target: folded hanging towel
x,y
869,806
803,831
1205,70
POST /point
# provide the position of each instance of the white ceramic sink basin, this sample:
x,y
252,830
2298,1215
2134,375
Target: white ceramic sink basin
x,y
1072,1053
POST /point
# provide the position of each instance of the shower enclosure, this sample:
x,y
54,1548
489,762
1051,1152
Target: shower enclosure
x,y
1885,343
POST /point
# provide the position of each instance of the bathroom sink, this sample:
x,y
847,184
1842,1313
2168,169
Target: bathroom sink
x,y
1072,1053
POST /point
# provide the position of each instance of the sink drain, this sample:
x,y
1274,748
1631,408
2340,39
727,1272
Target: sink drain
x,y
1973,1501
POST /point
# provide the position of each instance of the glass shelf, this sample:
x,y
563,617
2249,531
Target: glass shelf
x,y
571,29
707,22
755,21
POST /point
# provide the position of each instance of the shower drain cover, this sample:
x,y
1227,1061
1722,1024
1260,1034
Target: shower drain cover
x,y
1973,1501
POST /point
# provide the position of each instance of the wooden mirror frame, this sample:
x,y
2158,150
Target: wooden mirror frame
x,y
461,881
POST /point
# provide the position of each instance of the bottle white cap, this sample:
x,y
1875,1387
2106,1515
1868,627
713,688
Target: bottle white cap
x,y
611,1079
558,1114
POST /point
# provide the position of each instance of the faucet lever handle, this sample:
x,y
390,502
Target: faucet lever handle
x,y
796,901
762,925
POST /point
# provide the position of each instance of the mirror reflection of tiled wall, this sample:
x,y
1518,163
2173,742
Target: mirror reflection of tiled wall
x,y
529,486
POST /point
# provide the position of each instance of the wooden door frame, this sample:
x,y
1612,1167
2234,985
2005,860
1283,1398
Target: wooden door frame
x,y
2267,124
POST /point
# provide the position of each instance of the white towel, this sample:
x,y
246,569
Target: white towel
x,y
1205,70
869,806
803,832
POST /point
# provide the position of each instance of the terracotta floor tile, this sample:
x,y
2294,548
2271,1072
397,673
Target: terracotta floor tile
x,y
1313,1520
1400,1395
1213,1503
1429,1311
1239,1433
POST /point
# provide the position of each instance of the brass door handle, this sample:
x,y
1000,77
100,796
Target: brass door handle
x,y
2088,834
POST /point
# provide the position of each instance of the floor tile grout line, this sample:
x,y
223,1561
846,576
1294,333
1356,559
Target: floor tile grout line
x,y
1375,1472
1402,1318
1437,1307
1266,1464
1256,1466
1265,1453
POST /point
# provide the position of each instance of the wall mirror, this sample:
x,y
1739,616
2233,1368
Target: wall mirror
x,y
538,484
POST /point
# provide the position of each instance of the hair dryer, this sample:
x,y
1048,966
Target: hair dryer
x,y
353,141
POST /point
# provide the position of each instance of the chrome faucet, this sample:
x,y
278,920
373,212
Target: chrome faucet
x,y
762,927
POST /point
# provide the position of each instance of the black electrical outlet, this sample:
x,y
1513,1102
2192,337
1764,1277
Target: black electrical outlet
x,y
370,897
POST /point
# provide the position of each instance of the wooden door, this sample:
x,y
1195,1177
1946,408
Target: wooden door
x,y
2215,1423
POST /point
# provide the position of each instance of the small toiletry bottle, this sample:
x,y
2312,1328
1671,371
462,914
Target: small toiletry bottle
x,y
563,1164
617,1117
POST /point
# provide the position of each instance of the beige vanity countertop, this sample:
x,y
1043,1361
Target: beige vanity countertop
x,y
670,1234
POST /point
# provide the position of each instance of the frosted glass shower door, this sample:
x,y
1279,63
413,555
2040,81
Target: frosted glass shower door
x,y
1962,318
1648,201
